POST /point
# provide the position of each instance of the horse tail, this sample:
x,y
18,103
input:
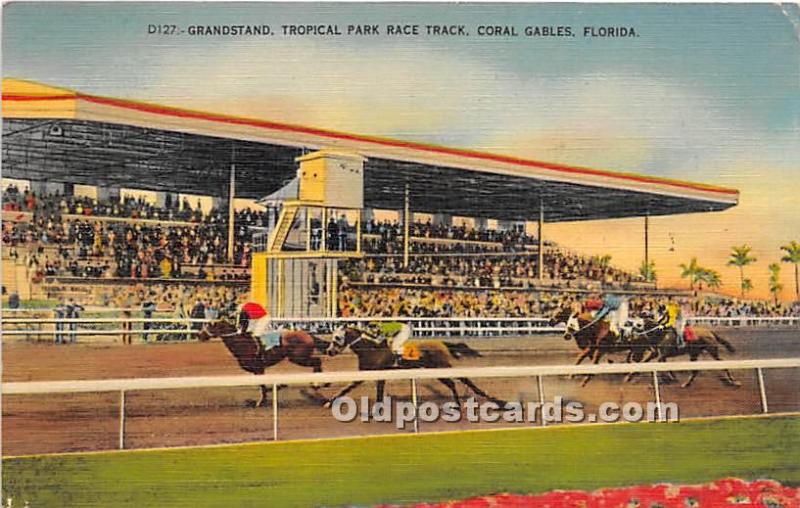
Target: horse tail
x,y
461,350
724,342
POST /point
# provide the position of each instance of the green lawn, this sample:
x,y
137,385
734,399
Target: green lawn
x,y
413,468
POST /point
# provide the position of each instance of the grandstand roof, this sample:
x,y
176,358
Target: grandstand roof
x,y
66,136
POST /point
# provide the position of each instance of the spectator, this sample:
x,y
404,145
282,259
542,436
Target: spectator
x,y
73,311
198,312
148,307
60,312
13,300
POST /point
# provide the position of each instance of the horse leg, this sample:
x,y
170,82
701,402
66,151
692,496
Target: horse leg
x,y
692,358
580,358
598,354
450,384
315,363
263,400
472,386
729,379
379,386
344,392
647,357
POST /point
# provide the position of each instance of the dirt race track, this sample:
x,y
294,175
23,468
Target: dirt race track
x,y
63,422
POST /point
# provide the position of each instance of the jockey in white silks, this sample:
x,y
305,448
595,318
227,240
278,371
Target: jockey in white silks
x,y
259,324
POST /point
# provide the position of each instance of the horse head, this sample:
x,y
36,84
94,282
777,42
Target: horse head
x,y
342,338
562,315
569,317
216,329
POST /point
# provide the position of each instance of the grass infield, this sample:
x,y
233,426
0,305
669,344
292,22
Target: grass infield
x,y
410,468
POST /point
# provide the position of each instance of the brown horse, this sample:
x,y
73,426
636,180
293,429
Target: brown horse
x,y
663,343
376,354
297,346
593,336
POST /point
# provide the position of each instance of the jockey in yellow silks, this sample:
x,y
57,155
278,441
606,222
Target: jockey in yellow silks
x,y
672,317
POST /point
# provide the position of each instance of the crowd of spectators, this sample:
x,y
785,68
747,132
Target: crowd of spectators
x,y
418,302
88,247
499,270
53,206
126,249
387,237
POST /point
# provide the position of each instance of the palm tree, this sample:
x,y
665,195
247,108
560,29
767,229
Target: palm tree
x,y
740,256
747,285
603,261
710,277
648,271
793,256
692,270
775,285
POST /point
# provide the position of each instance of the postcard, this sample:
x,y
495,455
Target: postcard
x,y
400,254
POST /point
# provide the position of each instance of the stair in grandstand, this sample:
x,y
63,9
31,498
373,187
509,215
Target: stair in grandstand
x,y
284,226
15,278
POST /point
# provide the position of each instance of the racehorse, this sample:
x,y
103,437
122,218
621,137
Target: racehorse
x,y
663,344
377,355
298,346
593,336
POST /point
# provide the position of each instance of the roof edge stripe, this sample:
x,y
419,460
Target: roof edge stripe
x,y
266,124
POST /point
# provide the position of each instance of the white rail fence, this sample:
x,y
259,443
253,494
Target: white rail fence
x,y
68,329
414,376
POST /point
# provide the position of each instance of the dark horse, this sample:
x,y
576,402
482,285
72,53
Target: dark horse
x,y
593,336
376,354
298,346
662,343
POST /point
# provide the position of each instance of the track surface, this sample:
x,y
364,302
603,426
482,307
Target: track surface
x,y
57,423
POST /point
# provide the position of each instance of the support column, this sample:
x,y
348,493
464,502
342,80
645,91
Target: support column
x,y
406,227
367,215
107,193
161,198
442,219
480,223
231,211
647,241
540,239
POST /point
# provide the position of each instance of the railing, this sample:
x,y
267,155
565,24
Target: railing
x,y
413,375
745,320
422,327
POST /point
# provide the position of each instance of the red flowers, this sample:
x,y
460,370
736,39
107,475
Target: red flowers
x,y
722,493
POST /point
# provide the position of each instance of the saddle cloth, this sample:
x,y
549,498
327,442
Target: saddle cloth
x,y
270,339
411,352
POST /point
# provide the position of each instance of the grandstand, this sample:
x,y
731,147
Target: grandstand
x,y
60,238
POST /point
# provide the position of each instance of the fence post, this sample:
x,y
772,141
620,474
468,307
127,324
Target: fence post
x,y
122,419
657,390
762,390
414,403
274,412
540,387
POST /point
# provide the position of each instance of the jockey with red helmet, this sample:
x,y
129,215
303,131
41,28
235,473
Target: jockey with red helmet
x,y
254,319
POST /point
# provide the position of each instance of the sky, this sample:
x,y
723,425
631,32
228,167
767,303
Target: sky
x,y
707,93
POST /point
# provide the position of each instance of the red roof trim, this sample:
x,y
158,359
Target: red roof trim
x,y
13,97
264,124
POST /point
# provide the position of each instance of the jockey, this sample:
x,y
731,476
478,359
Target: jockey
x,y
616,308
672,317
395,333
253,318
